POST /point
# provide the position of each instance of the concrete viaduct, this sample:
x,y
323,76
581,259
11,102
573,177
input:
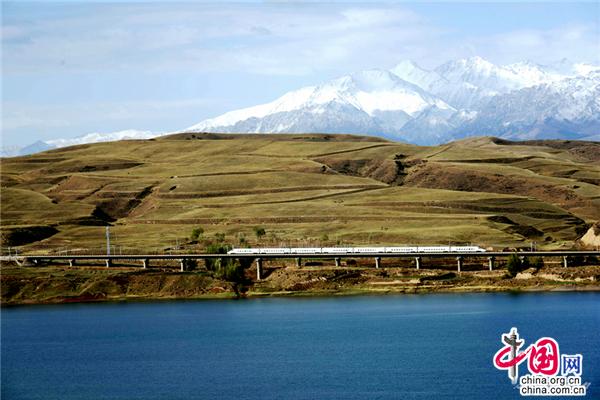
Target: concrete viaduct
x,y
182,259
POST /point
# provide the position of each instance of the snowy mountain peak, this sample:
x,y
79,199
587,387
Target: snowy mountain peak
x,y
419,105
102,137
530,74
585,69
408,67
465,67
370,92
128,134
374,79
477,63
413,73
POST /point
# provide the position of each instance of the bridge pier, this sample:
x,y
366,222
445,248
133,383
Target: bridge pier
x,y
338,262
418,262
491,262
459,261
298,262
146,263
71,262
258,269
377,262
182,264
565,261
108,263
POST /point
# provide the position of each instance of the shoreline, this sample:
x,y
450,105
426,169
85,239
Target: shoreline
x,y
63,285
229,296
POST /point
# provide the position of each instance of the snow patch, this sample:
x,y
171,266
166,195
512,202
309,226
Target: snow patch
x,y
103,137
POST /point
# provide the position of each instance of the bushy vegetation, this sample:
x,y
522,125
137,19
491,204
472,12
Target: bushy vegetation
x,y
592,260
228,269
197,233
525,264
577,261
190,264
259,231
215,248
516,264
513,265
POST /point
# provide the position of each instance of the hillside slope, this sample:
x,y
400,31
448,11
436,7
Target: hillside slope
x,y
304,189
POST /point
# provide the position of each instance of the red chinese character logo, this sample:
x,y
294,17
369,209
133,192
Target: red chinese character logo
x,y
544,357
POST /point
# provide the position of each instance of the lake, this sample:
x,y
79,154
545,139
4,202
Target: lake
x,y
370,347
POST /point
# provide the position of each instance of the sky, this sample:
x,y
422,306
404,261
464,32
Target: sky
x,y
76,67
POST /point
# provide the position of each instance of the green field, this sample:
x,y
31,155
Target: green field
x,y
303,189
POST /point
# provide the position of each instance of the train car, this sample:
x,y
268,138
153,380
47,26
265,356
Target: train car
x,y
274,250
400,250
369,250
305,250
337,250
244,251
466,249
433,249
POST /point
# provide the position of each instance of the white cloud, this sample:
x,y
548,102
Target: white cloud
x,y
285,39
573,42
261,39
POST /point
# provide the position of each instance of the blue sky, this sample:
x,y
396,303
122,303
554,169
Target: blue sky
x,y
75,67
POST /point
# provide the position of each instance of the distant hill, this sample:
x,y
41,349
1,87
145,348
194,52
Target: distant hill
x,y
304,189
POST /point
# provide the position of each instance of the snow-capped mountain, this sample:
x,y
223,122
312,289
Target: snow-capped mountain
x,y
470,83
95,137
569,109
459,98
372,101
102,137
36,147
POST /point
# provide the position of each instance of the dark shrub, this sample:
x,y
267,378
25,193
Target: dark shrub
x,y
197,233
513,265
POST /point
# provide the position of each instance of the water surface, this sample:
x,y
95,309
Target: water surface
x,y
389,347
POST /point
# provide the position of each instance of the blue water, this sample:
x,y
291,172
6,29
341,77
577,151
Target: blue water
x,y
390,347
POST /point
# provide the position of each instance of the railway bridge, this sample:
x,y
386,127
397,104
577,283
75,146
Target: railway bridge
x,y
182,259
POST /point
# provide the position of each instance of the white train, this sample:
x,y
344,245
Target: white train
x,y
358,250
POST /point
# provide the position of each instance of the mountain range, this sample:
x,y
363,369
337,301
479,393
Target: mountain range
x,y
460,98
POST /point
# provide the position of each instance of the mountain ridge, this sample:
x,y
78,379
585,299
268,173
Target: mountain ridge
x,y
458,98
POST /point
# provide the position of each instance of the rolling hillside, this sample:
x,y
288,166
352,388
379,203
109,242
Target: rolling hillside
x,y
303,189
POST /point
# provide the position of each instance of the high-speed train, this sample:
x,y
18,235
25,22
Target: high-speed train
x,y
358,250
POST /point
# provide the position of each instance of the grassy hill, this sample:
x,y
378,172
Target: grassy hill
x,y
303,189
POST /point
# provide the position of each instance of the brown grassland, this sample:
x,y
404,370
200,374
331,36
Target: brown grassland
x,y
303,189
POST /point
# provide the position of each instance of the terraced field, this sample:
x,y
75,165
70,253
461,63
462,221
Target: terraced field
x,y
303,189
